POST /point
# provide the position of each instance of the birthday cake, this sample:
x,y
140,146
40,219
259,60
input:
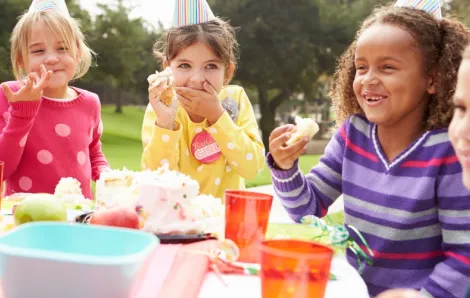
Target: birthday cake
x,y
167,201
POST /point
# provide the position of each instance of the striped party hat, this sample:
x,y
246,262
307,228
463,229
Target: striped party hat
x,y
44,5
191,12
431,6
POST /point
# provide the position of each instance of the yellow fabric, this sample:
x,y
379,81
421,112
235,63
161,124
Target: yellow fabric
x,y
243,153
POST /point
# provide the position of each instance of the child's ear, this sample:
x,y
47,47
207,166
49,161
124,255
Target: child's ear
x,y
431,87
229,73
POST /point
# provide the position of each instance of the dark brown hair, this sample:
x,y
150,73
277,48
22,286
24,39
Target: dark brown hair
x,y
218,34
441,43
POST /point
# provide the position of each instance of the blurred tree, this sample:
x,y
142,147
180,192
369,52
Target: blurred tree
x,y
123,46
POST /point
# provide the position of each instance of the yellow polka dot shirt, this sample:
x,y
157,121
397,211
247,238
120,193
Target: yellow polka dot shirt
x,y
235,133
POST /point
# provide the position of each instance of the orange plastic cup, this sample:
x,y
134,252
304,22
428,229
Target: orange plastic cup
x,y
294,269
246,221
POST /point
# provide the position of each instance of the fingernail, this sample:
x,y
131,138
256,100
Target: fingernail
x,y
306,139
288,135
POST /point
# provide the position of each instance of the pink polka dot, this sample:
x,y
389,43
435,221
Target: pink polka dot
x,y
62,130
6,116
81,158
100,128
23,141
25,183
45,157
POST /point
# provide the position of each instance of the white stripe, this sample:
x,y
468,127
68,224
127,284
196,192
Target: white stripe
x,y
374,208
301,201
360,125
437,139
324,188
456,237
325,169
454,213
402,156
392,233
291,178
291,194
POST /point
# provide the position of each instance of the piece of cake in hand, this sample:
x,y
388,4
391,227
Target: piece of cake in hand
x,y
166,76
304,127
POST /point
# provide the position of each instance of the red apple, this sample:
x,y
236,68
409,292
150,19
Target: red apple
x,y
123,217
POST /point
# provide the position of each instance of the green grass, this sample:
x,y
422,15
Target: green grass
x,y
123,148
306,162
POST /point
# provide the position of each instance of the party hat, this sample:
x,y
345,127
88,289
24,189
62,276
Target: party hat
x,y
191,12
431,6
44,5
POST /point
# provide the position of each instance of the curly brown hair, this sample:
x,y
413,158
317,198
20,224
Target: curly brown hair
x,y
466,54
217,33
441,43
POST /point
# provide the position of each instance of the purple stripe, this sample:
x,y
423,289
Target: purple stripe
x,y
375,290
450,279
281,187
386,222
296,214
328,179
455,203
457,265
397,278
292,185
452,186
407,223
392,201
435,289
399,264
455,220
331,157
407,246
420,188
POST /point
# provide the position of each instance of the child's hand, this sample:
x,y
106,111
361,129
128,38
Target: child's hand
x,y
165,114
204,103
32,89
400,293
285,156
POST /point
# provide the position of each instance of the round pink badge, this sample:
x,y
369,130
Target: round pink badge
x,y
204,148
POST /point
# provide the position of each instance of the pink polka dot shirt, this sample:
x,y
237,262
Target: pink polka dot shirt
x,y
44,141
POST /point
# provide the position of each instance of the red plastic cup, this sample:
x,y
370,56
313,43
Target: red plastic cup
x,y
246,221
294,269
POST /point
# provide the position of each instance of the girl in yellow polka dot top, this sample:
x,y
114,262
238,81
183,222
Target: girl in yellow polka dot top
x,y
210,132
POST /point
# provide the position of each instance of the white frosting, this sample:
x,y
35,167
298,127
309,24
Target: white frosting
x,y
158,77
68,190
168,200
305,127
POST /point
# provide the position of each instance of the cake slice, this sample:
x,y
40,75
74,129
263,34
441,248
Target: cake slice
x,y
305,127
169,93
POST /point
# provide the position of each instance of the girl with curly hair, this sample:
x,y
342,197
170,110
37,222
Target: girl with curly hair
x,y
391,158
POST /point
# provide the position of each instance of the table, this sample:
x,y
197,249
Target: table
x,y
349,283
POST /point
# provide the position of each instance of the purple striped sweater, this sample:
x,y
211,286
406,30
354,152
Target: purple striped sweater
x,y
413,212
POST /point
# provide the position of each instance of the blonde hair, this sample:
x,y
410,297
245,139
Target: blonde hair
x,y
64,27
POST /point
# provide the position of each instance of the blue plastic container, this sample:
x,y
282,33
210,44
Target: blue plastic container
x,y
70,260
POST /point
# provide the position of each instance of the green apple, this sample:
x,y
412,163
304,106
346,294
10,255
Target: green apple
x,y
40,207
